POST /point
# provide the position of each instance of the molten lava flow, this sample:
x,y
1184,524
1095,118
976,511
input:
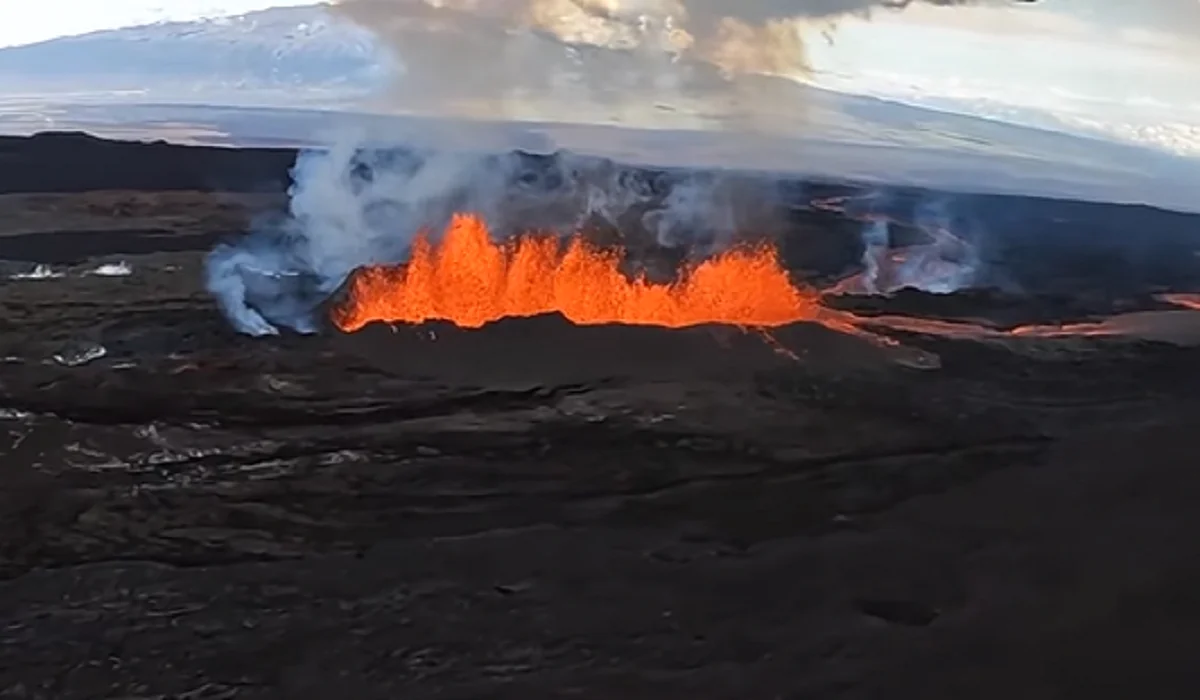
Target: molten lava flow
x,y
470,280
1182,299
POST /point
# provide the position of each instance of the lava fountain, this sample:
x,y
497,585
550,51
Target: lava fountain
x,y
471,280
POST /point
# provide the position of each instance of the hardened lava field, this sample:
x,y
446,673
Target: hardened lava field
x,y
526,500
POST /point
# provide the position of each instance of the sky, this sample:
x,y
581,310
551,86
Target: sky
x,y
1027,51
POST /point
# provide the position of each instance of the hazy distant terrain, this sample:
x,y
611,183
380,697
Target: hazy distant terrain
x,y
299,77
290,47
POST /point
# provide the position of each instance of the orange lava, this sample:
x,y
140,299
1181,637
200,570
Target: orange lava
x,y
1182,299
468,279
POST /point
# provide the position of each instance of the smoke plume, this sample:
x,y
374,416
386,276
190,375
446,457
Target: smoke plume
x,y
749,36
539,59
947,261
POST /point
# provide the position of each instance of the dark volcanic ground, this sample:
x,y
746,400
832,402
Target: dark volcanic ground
x,y
537,510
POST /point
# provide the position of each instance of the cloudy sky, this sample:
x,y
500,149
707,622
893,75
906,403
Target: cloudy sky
x,y
26,21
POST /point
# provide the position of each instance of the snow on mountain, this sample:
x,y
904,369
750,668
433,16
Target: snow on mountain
x,y
272,49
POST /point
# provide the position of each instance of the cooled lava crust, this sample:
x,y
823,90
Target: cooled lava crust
x,y
537,509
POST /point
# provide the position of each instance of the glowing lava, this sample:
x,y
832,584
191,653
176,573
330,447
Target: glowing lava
x,y
470,280
1182,299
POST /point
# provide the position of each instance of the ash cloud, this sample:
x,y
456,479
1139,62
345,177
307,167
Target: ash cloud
x,y
750,36
544,59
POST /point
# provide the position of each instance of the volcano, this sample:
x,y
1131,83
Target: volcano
x,y
519,466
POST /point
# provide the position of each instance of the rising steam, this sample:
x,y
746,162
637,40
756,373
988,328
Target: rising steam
x,y
931,244
355,204
544,59
948,262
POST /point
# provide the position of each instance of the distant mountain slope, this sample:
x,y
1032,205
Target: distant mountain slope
x,y
305,56
435,63
456,68
301,46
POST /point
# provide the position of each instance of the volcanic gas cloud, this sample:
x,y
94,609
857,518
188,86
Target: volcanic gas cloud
x,y
470,280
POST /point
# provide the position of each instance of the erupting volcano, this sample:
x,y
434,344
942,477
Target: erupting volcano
x,y
470,280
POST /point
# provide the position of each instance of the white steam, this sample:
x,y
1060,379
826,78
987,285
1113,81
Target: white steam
x,y
944,264
352,206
